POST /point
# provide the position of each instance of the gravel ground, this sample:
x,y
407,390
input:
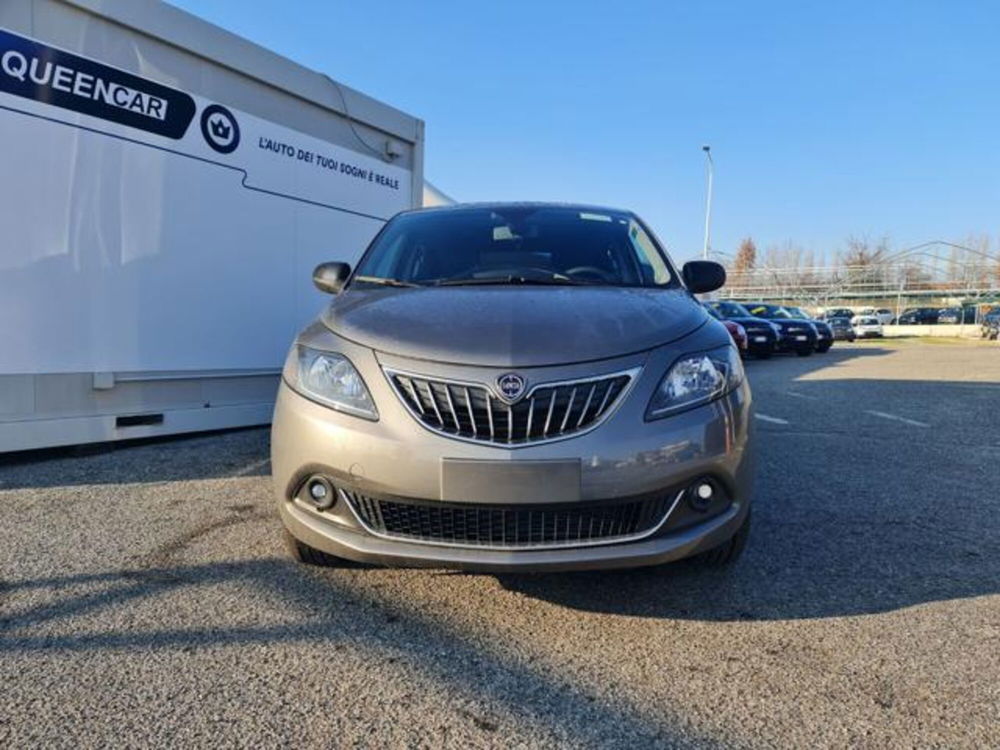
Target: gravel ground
x,y
145,598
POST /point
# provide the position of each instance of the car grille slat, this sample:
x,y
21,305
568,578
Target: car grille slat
x,y
489,412
548,416
473,412
569,410
433,401
451,406
508,527
411,391
586,404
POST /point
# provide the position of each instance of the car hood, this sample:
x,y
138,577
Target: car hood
x,y
790,322
513,326
752,322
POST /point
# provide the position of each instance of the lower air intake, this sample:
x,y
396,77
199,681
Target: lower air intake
x,y
510,526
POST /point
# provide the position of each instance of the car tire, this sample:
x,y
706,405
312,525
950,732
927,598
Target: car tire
x,y
803,352
303,553
823,348
729,551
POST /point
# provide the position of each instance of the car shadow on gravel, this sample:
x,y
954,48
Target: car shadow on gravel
x,y
500,692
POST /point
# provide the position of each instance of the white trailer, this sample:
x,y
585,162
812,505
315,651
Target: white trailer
x,y
166,188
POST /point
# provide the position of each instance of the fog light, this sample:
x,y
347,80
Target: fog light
x,y
321,494
700,495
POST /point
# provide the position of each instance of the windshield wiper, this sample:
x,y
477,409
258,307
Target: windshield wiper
x,y
512,280
384,282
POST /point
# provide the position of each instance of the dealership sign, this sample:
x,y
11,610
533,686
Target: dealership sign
x,y
151,228
46,74
45,81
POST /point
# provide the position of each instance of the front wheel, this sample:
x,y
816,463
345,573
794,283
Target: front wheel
x,y
823,348
729,551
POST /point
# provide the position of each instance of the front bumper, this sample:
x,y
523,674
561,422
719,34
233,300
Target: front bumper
x,y
623,457
797,341
760,342
365,548
824,338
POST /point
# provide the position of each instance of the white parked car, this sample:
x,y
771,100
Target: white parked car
x,y
885,316
867,326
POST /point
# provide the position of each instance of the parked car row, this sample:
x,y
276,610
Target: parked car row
x,y
770,329
910,316
761,335
956,315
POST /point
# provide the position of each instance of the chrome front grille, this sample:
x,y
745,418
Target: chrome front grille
x,y
471,411
511,526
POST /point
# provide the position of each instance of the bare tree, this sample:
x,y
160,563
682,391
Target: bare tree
x,y
866,262
746,256
862,252
744,263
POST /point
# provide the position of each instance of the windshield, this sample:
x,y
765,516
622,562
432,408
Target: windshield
x,y
730,310
769,311
796,312
515,245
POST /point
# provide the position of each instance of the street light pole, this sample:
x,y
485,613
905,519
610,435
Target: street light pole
x,y
708,202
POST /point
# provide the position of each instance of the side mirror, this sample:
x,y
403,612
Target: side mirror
x,y
702,276
330,277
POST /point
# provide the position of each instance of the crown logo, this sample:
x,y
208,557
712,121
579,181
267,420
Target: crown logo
x,y
220,129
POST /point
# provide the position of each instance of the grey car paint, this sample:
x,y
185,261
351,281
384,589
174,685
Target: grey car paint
x,y
476,334
513,326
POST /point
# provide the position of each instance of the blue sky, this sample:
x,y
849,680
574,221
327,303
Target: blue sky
x,y
825,119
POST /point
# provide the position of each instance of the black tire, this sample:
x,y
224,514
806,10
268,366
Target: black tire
x,y
303,553
803,352
824,348
729,551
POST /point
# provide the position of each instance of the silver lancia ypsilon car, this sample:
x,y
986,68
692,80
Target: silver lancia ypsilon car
x,y
514,387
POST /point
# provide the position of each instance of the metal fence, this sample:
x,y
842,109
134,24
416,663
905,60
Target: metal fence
x,y
915,277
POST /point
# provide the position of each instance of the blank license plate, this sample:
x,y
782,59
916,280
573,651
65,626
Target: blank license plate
x,y
470,480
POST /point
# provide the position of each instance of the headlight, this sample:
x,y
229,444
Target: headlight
x,y
696,379
331,379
